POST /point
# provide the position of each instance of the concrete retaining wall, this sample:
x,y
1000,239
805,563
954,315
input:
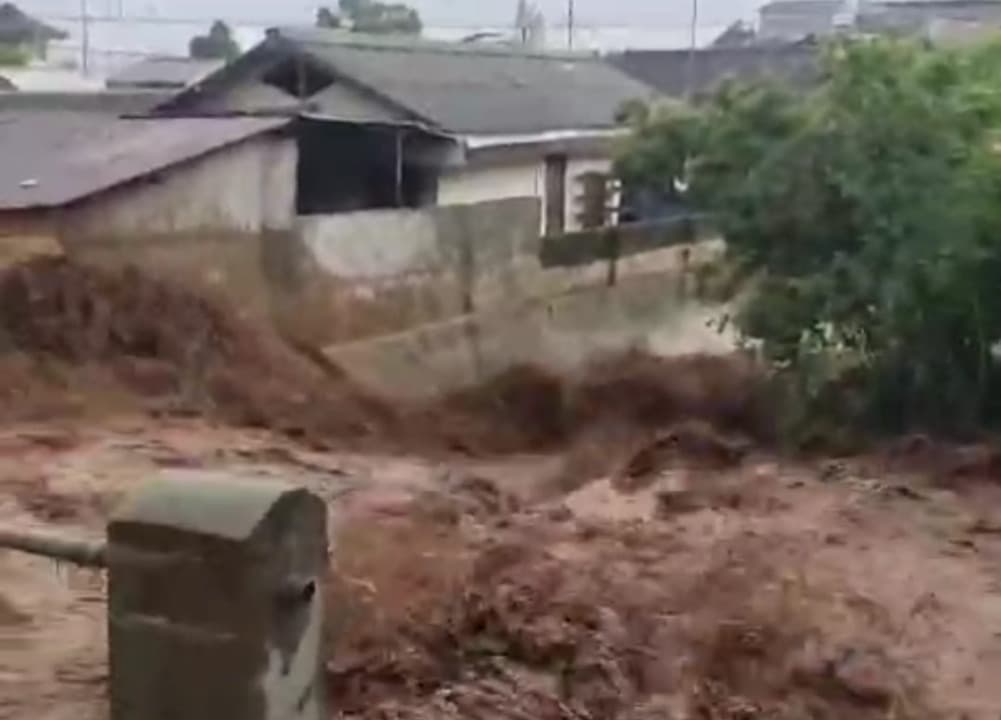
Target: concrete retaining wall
x,y
364,274
655,312
415,303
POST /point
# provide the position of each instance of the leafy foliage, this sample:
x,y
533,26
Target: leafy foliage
x,y
869,212
217,44
371,16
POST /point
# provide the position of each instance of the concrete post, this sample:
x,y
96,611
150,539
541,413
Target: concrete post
x,y
215,602
215,607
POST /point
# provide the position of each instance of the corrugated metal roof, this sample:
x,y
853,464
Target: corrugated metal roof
x,y
164,72
471,88
51,159
111,102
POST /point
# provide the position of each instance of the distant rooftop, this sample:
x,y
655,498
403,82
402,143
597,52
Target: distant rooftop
x,y
167,73
668,70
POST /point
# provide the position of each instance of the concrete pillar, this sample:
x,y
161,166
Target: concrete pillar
x,y
215,605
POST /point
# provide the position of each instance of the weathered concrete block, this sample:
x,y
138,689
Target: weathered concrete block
x,y
215,601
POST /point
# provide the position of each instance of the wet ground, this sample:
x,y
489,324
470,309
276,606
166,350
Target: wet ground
x,y
695,582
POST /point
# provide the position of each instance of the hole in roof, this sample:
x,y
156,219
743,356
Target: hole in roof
x,y
297,78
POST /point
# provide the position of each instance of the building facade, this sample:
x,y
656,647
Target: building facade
x,y
524,123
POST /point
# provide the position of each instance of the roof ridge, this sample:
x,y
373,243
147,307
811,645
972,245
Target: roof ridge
x,y
369,41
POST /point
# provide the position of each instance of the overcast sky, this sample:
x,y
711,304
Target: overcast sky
x,y
602,24
436,12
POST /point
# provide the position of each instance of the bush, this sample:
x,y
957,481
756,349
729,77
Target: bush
x,y
869,212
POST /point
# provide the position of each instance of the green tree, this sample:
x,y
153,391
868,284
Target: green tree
x,y
370,16
217,44
869,212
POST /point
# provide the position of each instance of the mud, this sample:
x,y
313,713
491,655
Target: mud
x,y
617,545
78,340
804,600
81,341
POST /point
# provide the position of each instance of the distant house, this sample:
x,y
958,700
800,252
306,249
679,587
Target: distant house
x,y
791,20
22,37
6,85
672,71
529,124
923,17
163,73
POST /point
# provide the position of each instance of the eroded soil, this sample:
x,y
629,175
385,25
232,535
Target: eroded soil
x,y
697,581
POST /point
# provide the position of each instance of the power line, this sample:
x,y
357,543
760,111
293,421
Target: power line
x,y
572,22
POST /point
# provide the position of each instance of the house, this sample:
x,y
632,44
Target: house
x,y
96,175
22,37
529,124
924,17
671,72
792,20
70,177
163,73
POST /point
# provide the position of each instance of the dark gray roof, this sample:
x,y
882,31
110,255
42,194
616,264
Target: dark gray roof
x,y
164,72
6,85
51,159
818,7
19,27
112,102
667,70
461,88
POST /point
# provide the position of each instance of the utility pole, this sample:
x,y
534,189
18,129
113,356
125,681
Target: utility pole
x,y
692,51
84,37
570,23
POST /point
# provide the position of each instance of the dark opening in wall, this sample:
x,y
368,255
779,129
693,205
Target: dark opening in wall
x,y
299,78
346,167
